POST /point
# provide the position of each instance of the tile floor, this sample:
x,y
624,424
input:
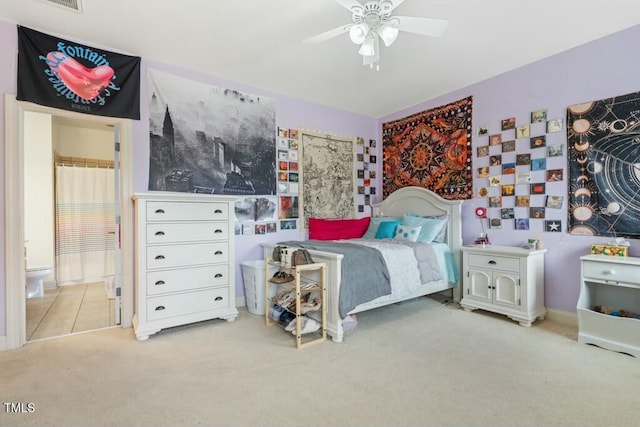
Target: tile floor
x,y
69,309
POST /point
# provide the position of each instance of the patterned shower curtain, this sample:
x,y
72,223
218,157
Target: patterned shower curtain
x,y
85,224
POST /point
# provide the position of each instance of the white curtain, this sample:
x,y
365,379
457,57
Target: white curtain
x,y
85,224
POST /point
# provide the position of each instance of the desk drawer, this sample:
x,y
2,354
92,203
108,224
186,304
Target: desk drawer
x,y
494,262
163,307
611,272
186,255
184,279
187,211
187,232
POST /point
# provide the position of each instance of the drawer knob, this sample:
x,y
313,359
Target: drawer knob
x,y
218,253
159,211
492,262
159,282
217,276
218,211
160,308
609,272
218,299
159,256
218,231
159,233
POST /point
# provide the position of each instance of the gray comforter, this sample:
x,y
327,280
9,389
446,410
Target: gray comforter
x,y
360,265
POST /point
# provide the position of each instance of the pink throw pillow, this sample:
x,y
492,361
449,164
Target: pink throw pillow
x,y
335,229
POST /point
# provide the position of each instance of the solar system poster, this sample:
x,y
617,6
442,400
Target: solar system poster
x,y
603,140
63,74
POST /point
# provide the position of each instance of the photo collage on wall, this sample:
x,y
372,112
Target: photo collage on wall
x,y
366,162
260,214
288,178
520,173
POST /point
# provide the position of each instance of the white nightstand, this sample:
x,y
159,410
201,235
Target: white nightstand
x,y
504,279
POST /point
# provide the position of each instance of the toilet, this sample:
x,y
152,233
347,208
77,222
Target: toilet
x,y
35,281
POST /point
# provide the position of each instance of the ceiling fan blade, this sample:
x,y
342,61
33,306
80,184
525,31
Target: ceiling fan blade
x,y
349,4
396,3
328,34
433,27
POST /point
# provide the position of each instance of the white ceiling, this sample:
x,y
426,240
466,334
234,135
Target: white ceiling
x,y
258,42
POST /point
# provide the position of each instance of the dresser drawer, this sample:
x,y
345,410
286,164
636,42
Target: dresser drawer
x,y
187,232
163,307
611,272
186,255
496,262
187,211
164,281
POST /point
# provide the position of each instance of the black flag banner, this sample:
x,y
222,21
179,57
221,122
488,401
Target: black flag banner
x,y
62,74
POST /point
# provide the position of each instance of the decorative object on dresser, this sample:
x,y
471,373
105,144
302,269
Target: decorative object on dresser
x,y
609,304
504,279
184,260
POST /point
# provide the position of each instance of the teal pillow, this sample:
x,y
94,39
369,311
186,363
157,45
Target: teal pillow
x,y
441,237
375,223
431,227
387,229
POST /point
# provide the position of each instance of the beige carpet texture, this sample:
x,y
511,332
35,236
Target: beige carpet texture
x,y
419,363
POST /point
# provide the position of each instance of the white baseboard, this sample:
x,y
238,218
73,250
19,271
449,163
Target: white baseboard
x,y
3,343
564,317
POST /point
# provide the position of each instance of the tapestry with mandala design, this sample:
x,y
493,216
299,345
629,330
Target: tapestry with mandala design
x,y
430,149
603,147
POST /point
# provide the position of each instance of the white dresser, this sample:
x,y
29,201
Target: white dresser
x,y
612,284
184,260
504,279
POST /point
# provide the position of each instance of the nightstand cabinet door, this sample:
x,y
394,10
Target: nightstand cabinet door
x,y
504,279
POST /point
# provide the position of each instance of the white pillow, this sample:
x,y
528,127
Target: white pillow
x,y
406,232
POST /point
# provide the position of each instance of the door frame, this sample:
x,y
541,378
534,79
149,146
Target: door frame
x,y
14,218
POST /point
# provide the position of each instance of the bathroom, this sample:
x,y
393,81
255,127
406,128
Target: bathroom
x,y
67,287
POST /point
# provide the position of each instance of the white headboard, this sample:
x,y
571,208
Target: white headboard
x,y
423,202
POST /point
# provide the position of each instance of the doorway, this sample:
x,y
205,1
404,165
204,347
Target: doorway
x,y
14,216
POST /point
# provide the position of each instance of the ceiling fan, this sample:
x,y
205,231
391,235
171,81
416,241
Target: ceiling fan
x,y
372,22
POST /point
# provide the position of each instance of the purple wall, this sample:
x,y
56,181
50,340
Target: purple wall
x,y
598,70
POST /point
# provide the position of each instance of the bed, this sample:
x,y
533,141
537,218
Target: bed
x,y
417,202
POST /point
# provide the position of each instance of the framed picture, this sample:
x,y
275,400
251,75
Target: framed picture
x,y
523,201
372,174
293,176
555,125
508,190
495,160
536,212
539,164
483,192
495,223
373,159
507,213
554,175
538,141
282,165
495,201
523,159
555,150
554,202
523,178
539,116
495,139
508,146
483,150
509,123
283,155
495,181
293,166
537,188
522,223
523,131
483,172
508,168
553,226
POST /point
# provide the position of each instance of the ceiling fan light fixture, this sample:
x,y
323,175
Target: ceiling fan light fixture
x,y
368,48
388,34
358,33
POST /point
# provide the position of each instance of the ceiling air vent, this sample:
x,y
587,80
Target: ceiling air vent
x,y
71,5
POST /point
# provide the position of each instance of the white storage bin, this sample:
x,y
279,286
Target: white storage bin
x,y
253,276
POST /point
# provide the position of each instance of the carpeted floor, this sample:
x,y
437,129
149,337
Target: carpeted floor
x,y
420,363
